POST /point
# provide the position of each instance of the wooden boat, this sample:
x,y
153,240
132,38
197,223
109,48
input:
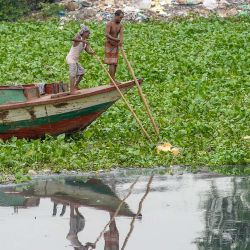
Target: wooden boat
x,y
79,192
25,113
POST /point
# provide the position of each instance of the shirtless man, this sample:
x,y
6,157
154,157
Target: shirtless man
x,y
75,69
114,35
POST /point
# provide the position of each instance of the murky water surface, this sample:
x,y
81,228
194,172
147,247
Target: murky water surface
x,y
179,212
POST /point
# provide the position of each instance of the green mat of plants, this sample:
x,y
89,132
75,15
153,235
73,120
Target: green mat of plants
x,y
196,75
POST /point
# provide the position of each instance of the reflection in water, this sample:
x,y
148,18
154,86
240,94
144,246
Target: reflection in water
x,y
219,206
55,209
75,193
77,223
69,191
138,214
227,217
111,236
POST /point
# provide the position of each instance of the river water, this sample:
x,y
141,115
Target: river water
x,y
175,212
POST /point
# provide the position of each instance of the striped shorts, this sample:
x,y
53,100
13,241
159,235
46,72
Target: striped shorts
x,y
75,69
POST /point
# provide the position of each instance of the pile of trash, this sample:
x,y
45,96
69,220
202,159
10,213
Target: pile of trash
x,y
143,10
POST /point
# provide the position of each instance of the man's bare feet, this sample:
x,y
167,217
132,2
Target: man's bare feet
x,y
75,92
77,88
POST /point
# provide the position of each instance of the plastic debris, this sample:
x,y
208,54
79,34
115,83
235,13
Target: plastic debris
x,y
83,4
210,4
167,147
244,10
71,6
32,172
227,12
141,17
246,137
164,147
143,4
46,171
175,151
61,13
189,2
143,10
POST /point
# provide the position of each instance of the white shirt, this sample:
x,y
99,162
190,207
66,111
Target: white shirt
x,y
74,53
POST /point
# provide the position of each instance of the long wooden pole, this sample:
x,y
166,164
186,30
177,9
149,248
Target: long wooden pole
x,y
138,212
140,92
124,99
117,211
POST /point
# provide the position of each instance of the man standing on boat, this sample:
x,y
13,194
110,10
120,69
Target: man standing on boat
x,y
75,69
114,35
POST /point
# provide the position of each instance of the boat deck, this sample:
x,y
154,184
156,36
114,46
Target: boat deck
x,y
66,96
88,91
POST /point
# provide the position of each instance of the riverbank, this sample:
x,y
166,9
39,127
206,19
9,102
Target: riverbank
x,y
171,170
20,177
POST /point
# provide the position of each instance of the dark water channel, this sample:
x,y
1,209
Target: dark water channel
x,y
179,212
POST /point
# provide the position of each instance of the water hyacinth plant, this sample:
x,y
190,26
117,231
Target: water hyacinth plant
x,y
196,76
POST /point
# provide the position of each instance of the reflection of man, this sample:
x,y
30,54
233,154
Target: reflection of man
x,y
77,223
111,237
55,209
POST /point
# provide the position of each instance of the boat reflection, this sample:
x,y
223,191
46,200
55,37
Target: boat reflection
x,y
77,192
72,193
213,212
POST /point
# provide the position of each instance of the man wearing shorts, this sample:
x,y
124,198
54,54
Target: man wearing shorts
x,y
114,35
76,71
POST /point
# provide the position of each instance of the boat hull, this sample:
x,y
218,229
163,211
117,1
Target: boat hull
x,y
65,114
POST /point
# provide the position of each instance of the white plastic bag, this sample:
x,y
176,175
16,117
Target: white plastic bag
x,y
210,4
189,2
143,4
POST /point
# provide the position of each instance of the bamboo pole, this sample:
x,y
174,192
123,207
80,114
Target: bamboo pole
x,y
124,99
143,97
116,212
137,214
